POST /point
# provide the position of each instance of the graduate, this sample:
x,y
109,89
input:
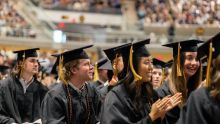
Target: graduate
x,y
167,70
101,72
133,101
21,93
73,100
4,71
203,105
158,73
118,57
185,74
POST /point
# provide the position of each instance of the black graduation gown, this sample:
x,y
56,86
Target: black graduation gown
x,y
173,115
200,108
97,84
119,109
55,107
17,106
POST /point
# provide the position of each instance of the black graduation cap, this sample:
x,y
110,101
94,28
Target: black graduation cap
x,y
54,68
185,46
169,63
121,49
74,54
182,46
104,63
68,56
203,50
137,50
210,49
3,68
158,63
23,54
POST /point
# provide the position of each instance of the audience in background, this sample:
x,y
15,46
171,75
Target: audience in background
x,y
13,24
180,11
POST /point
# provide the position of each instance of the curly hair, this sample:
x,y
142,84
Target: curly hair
x,y
17,69
215,83
67,68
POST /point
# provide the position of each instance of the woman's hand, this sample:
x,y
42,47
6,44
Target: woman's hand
x,y
158,108
113,81
174,101
161,107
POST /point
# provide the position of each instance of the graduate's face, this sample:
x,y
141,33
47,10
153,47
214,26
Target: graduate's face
x,y
145,68
84,70
31,65
191,64
103,74
157,77
118,64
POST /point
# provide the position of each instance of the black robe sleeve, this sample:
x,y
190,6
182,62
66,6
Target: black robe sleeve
x,y
200,109
115,112
4,119
52,110
8,110
163,90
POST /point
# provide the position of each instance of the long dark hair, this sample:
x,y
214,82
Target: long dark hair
x,y
136,89
179,84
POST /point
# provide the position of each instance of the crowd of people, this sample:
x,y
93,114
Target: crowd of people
x,y
164,12
13,24
103,6
129,86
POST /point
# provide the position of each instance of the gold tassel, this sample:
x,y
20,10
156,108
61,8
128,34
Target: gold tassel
x,y
60,70
96,75
136,76
22,64
179,73
209,65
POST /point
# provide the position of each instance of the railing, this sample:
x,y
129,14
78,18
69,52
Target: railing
x,y
26,8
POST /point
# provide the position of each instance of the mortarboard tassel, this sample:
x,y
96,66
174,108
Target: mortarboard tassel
x,y
60,73
22,64
178,62
136,76
96,75
209,65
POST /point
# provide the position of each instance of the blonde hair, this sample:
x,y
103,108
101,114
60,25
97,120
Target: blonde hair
x,y
215,79
17,69
67,68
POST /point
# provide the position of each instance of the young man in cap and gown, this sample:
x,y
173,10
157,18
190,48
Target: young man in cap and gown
x,y
73,100
21,94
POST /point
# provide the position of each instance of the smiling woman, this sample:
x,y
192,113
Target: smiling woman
x,y
185,75
191,64
203,105
134,101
